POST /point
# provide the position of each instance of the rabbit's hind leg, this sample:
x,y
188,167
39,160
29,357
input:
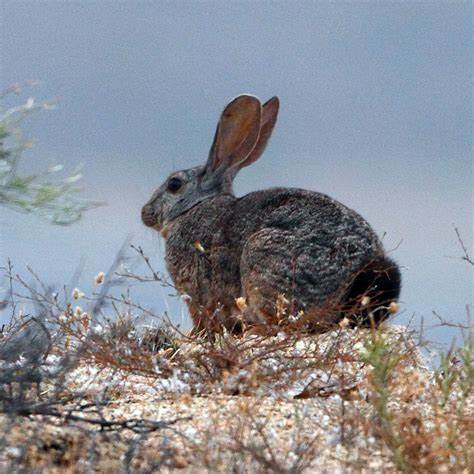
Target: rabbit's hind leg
x,y
266,276
289,280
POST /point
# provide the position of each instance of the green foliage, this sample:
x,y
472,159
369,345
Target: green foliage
x,y
383,359
55,199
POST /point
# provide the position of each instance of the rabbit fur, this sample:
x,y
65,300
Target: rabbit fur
x,y
271,256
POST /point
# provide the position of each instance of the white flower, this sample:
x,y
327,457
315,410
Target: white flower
x,y
99,278
77,293
344,323
365,301
393,307
241,303
198,246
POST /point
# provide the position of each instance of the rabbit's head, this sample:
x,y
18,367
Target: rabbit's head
x,y
241,136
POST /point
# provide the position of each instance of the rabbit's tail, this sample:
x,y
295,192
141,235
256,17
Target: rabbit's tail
x,y
372,290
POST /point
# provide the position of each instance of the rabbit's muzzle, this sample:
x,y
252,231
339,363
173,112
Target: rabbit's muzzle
x,y
149,216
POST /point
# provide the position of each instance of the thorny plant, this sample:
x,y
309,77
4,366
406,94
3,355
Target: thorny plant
x,y
366,383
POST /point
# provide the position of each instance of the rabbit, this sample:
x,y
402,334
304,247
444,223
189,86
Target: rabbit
x,y
272,257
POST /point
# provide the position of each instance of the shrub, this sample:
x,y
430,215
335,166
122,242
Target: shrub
x,y
55,199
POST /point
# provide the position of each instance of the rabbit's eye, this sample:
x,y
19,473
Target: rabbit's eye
x,y
174,184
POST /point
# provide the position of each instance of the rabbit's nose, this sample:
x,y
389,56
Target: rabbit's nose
x,y
148,215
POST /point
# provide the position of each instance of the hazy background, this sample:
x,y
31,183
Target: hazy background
x,y
375,111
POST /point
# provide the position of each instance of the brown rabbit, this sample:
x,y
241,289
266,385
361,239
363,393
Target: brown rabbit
x,y
272,256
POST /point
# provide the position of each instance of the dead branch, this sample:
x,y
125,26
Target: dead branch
x,y
466,257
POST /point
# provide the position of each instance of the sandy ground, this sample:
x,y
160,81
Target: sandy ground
x,y
311,422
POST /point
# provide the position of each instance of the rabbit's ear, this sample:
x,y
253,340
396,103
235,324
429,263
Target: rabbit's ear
x,y
267,123
236,135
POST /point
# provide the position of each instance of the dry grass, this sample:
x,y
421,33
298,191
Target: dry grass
x,y
351,399
83,394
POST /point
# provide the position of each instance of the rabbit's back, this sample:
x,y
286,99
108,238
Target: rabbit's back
x,y
311,217
300,244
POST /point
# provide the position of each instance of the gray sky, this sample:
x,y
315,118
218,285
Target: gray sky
x,y
375,111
